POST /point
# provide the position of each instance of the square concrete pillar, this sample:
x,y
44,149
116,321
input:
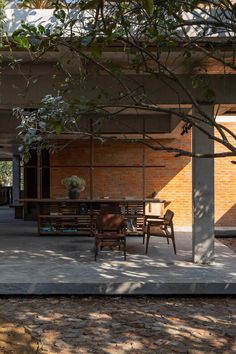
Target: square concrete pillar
x,y
15,179
203,192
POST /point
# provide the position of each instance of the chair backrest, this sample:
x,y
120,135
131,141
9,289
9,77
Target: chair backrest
x,y
169,216
110,208
110,222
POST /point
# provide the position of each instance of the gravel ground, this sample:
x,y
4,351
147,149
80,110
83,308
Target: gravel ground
x,y
116,325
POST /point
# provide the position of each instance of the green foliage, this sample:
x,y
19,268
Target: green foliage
x,y
2,17
209,95
5,173
21,40
148,6
157,39
73,182
89,5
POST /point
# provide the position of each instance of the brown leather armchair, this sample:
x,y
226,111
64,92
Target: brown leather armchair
x,y
109,230
160,227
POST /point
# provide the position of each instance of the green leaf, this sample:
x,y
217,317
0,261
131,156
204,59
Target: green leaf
x,y
234,9
86,40
115,69
209,95
96,51
41,29
89,5
29,28
60,15
17,32
148,6
195,82
22,42
58,129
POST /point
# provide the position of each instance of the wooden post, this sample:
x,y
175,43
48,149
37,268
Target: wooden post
x,y
39,176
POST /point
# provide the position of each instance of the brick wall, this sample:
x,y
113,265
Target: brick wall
x,y
118,172
225,187
71,160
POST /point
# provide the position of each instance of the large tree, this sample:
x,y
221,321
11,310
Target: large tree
x,y
162,41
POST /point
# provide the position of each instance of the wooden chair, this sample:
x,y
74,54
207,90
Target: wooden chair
x,y
160,227
112,208
109,230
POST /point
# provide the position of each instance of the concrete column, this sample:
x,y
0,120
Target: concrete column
x,y
16,179
203,193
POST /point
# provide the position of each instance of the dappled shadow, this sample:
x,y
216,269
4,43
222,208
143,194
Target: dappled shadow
x,y
124,325
14,17
206,30
54,265
229,218
33,17
70,265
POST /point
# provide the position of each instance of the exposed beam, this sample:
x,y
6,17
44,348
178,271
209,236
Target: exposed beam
x,y
17,91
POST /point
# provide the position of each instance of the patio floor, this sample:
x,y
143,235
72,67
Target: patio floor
x,y
43,265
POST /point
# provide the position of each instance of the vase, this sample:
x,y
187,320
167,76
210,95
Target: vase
x,y
74,193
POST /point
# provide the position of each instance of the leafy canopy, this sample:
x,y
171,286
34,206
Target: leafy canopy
x,y
162,40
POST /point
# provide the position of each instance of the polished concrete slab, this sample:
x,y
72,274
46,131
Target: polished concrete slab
x,y
42,265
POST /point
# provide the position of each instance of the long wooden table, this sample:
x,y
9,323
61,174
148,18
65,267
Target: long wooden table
x,y
76,217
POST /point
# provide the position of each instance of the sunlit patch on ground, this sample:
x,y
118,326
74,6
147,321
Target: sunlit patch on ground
x,y
116,325
17,339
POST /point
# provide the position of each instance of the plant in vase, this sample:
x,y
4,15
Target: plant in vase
x,y
75,185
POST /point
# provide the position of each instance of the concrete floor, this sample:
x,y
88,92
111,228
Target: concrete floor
x,y
32,264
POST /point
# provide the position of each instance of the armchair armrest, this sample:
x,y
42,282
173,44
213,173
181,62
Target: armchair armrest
x,y
149,218
153,217
161,222
155,223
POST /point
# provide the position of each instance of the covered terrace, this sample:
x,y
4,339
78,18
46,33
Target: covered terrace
x,y
34,265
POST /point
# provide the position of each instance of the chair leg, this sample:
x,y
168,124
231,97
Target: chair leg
x,y
173,237
96,250
147,243
168,240
173,241
125,249
143,238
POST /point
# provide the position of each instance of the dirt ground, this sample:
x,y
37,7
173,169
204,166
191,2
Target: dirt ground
x,y
229,241
118,325
107,325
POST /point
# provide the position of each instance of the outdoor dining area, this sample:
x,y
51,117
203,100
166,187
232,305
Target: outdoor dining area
x,y
136,205
110,222
101,190
148,188
64,264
